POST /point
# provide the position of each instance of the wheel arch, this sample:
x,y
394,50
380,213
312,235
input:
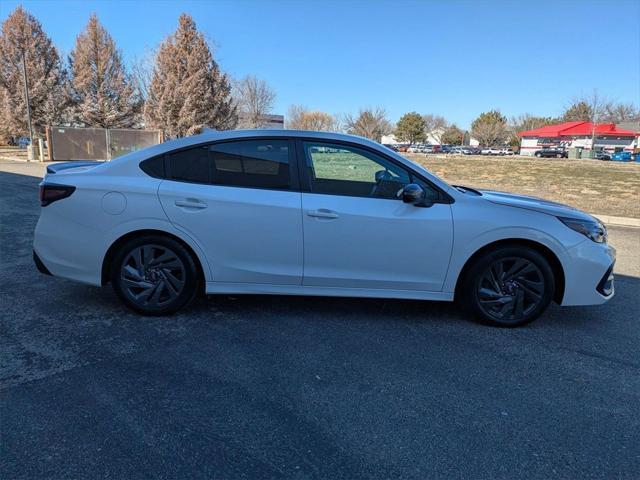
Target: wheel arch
x,y
546,252
113,248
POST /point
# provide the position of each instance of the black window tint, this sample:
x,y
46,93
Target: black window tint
x,y
251,163
191,165
153,167
344,170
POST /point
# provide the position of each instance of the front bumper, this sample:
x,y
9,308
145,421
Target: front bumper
x,y
39,265
589,274
605,287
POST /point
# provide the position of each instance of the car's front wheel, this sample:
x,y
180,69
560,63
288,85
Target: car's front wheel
x,y
154,275
509,286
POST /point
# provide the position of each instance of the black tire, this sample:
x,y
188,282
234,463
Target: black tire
x,y
538,155
170,274
513,302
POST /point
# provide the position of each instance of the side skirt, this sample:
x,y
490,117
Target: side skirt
x,y
267,289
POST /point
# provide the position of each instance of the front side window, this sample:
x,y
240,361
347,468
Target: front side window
x,y
344,170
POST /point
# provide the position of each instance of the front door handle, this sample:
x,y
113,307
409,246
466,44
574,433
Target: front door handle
x,y
190,203
322,213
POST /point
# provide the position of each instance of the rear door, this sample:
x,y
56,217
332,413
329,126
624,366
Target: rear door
x,y
241,202
358,233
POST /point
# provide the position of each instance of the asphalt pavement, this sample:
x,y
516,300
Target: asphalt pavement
x,y
300,387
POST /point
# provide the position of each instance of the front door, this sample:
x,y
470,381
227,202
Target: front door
x,y
359,234
239,200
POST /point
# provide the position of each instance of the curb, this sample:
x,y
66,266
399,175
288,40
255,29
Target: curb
x,y
609,220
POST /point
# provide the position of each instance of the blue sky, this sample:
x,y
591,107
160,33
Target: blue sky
x,y
453,58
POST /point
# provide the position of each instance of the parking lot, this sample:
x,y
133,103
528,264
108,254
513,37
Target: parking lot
x,y
301,387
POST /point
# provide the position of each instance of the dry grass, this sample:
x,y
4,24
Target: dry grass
x,y
607,188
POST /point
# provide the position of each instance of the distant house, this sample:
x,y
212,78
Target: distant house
x,y
608,137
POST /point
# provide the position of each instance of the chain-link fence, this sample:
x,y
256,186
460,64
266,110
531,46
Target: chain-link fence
x,y
70,143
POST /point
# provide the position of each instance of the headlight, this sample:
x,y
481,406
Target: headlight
x,y
595,230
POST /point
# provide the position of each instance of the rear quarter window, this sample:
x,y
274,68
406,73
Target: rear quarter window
x,y
154,167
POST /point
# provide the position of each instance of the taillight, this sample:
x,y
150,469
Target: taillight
x,y
50,193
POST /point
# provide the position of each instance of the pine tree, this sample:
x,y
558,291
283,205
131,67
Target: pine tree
x,y
490,128
188,92
103,91
410,128
47,79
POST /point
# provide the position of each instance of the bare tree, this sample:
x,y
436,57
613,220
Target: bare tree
x,y
254,98
598,108
434,126
369,123
142,72
23,39
525,122
620,112
300,118
188,92
104,94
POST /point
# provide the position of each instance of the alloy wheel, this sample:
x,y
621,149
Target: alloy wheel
x,y
510,289
152,275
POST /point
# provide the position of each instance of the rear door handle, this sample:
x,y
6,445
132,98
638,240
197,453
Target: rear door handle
x,y
190,203
322,213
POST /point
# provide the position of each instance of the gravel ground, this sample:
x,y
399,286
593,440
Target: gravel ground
x,y
295,387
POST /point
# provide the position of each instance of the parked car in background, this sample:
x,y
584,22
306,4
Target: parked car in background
x,y
392,147
602,155
310,213
551,153
490,151
621,156
430,148
505,151
23,142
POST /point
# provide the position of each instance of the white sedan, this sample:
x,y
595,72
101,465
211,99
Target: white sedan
x,y
309,213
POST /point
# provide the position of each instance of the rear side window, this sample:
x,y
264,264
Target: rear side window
x,y
245,163
190,165
251,163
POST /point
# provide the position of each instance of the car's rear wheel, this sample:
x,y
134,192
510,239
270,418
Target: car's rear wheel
x,y
509,286
154,275
538,155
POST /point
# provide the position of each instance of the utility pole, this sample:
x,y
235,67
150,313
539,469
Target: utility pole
x,y
26,96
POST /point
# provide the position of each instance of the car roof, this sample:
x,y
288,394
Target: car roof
x,y
217,135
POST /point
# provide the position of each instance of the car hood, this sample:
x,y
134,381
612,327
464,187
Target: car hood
x,y
534,203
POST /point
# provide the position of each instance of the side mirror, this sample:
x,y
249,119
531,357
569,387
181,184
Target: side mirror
x,y
414,195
